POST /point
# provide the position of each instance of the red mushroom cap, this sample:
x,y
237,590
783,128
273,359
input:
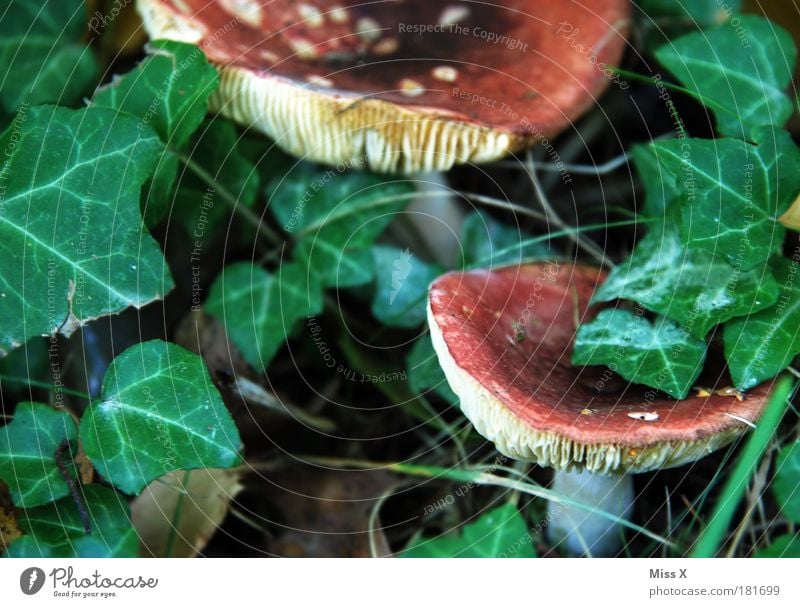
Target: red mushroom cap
x,y
521,391
401,85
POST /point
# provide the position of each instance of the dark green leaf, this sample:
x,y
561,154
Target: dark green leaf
x,y
499,533
28,547
692,287
30,362
760,346
205,210
259,309
402,286
786,484
742,67
41,57
663,356
57,529
488,243
168,91
160,412
424,372
660,186
28,446
215,148
733,191
785,546
70,222
335,217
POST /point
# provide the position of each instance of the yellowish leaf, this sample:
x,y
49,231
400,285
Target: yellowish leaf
x,y
177,514
791,218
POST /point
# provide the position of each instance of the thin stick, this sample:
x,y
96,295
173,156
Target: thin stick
x,y
231,200
551,214
73,488
577,169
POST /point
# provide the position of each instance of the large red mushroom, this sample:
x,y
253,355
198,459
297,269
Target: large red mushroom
x,y
401,85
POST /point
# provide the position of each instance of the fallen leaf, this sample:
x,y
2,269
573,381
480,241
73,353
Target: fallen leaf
x,y
325,513
177,514
9,531
791,218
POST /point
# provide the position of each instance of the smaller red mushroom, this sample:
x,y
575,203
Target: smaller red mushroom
x,y
504,340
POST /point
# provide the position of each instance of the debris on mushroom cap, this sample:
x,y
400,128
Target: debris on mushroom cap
x,y
530,401
401,85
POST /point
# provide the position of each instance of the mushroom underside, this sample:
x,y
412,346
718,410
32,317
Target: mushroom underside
x,y
504,340
401,86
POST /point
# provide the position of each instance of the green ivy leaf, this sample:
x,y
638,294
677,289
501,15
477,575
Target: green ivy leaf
x,y
786,484
663,356
70,220
42,58
733,191
760,346
29,362
28,446
259,309
786,547
692,287
56,530
402,286
424,372
742,67
160,412
660,186
487,243
215,148
168,91
499,533
335,217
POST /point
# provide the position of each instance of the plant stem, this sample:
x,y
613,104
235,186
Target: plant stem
x,y
477,476
44,385
232,201
714,533
73,489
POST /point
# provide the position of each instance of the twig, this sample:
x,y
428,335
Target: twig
x,y
576,169
498,203
551,215
231,200
73,488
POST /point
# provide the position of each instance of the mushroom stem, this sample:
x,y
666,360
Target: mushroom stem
x,y
579,532
437,215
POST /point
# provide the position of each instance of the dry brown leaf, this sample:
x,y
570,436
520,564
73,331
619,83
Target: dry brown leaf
x,y
183,508
8,521
325,513
85,467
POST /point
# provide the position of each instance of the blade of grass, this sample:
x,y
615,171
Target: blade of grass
x,y
673,87
44,385
713,535
480,476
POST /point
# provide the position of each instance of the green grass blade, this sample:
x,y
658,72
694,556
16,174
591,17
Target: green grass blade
x,y
713,535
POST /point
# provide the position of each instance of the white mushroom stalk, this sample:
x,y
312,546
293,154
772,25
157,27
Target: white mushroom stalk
x,y
578,532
